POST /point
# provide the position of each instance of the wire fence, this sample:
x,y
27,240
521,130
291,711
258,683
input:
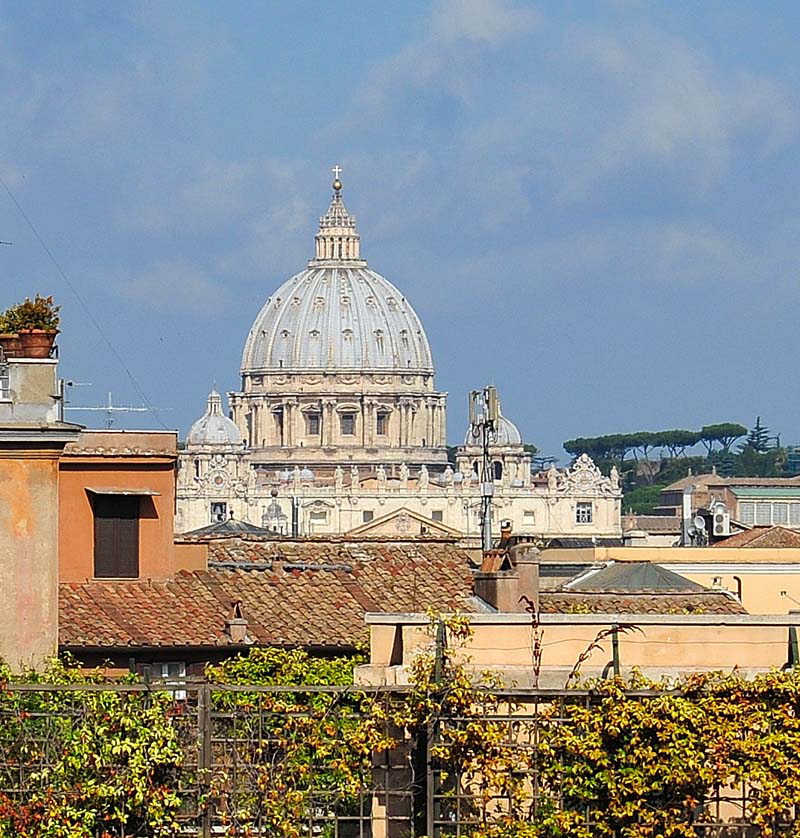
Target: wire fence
x,y
275,761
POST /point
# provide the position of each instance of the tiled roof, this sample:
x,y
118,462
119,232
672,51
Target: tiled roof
x,y
707,602
719,480
773,537
305,597
652,523
634,577
228,527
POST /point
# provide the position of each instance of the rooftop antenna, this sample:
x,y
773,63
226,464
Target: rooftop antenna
x,y
484,413
110,409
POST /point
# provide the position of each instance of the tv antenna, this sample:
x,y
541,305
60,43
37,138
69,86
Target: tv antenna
x,y
484,413
109,408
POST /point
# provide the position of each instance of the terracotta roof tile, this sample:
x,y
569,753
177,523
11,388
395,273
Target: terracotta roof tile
x,y
772,537
307,597
706,602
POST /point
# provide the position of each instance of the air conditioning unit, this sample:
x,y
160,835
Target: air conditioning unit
x,y
720,520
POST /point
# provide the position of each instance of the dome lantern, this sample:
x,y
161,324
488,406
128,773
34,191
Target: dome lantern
x,y
337,240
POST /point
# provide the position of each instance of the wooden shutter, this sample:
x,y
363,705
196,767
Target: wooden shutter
x,y
116,536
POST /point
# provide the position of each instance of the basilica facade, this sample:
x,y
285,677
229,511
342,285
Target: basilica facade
x,y
338,426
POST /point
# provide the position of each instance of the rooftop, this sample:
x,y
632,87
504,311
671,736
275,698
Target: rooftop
x,y
773,537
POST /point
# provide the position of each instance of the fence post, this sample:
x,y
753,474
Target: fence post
x,y
204,757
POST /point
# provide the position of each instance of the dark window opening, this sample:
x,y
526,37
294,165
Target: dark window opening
x,y
382,424
348,421
497,467
437,515
367,515
312,424
116,536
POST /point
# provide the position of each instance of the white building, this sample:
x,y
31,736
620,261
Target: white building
x,y
338,427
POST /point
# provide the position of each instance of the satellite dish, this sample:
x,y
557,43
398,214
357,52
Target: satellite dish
x,y
699,522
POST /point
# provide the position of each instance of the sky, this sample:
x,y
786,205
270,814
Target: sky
x,y
593,206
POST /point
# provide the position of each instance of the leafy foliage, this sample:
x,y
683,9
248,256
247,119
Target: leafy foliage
x,y
38,313
636,759
109,769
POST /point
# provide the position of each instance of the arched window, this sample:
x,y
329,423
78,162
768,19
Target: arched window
x,y
497,468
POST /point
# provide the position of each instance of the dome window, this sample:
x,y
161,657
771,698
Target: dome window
x,y
379,339
295,301
314,333
319,302
285,333
347,334
391,302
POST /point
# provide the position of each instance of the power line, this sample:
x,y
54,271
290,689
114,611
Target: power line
x,y
140,392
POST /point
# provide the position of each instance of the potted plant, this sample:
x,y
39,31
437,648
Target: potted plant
x,y
9,339
36,321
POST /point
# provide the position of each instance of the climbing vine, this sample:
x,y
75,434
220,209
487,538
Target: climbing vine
x,y
96,763
298,745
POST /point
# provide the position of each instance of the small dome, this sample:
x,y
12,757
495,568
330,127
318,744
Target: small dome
x,y
506,434
213,427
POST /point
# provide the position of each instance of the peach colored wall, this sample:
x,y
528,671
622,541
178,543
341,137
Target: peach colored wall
x,y
28,553
665,645
191,555
76,539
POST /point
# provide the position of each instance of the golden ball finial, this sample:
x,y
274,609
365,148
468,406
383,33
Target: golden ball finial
x,y
337,185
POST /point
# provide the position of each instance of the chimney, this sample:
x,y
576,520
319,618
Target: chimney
x,y
236,624
504,579
525,557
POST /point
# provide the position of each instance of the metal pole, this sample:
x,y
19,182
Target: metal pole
x,y
204,757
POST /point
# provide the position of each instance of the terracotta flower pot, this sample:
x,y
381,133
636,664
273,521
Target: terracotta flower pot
x,y
37,343
10,344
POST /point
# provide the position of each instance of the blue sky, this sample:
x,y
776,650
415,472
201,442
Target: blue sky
x,y
593,205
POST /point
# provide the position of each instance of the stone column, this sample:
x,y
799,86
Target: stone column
x,y
369,419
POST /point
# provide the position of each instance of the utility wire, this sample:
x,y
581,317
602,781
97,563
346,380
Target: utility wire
x,y
140,392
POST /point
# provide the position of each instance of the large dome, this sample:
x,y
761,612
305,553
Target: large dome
x,y
337,314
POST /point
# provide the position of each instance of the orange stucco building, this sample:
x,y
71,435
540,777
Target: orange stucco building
x,y
117,506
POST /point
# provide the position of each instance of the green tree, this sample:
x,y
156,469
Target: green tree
x,y
676,441
725,433
758,438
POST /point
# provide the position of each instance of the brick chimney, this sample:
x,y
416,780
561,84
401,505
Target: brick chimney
x,y
506,577
236,624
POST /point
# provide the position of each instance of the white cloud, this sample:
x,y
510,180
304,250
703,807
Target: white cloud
x,y
487,21
175,285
